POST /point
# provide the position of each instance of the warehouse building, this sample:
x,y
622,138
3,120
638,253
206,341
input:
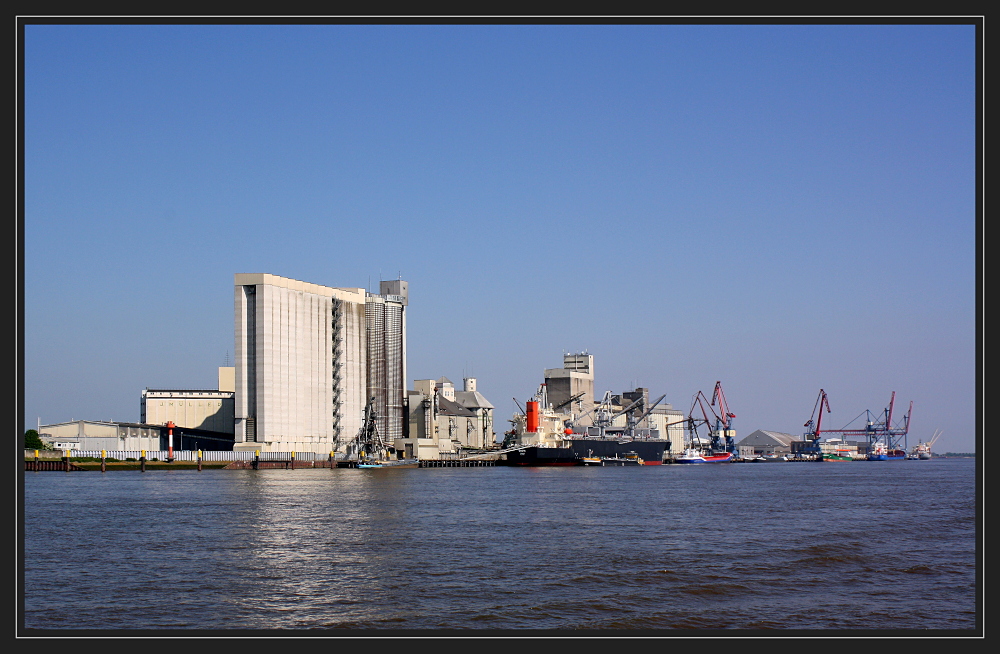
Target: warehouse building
x,y
95,435
766,442
210,410
309,358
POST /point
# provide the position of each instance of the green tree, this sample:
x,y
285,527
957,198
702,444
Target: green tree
x,y
32,441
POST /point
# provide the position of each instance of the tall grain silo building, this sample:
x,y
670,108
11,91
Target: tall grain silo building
x,y
310,357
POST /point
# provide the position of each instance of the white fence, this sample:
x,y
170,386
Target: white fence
x,y
192,455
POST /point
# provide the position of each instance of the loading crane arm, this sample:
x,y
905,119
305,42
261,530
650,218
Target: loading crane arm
x,y
568,402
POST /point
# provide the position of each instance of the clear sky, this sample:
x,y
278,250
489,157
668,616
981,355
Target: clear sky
x,y
781,208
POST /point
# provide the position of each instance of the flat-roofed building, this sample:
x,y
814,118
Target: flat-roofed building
x,y
571,387
211,410
95,435
309,358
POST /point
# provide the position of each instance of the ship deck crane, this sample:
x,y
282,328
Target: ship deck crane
x,y
568,402
633,420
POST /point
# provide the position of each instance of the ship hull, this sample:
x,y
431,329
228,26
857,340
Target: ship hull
x,y
651,452
892,455
542,456
712,458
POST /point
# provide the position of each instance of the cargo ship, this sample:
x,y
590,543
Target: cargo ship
x,y
880,453
541,438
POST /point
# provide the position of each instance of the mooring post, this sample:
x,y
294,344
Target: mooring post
x,y
66,459
36,456
199,460
292,462
142,461
104,464
256,459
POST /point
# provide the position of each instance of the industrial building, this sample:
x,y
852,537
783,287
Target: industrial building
x,y
210,410
94,435
763,442
310,358
572,385
442,421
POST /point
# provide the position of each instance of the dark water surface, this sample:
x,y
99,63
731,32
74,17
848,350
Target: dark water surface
x,y
868,545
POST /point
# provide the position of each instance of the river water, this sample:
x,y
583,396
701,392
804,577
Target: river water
x,y
870,547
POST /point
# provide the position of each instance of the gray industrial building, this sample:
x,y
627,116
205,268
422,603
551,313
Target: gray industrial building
x,y
309,358
442,421
573,384
766,442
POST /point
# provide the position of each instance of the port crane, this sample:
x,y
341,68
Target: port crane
x,y
879,429
719,426
812,435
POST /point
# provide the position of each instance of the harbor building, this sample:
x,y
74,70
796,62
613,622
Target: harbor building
x,y
211,410
95,435
442,421
572,386
310,358
763,442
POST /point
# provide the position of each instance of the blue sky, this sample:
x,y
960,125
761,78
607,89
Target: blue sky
x,y
782,208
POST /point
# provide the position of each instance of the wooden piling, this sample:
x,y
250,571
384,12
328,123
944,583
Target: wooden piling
x,y
104,463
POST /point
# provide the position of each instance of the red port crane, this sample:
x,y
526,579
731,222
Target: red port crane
x,y
878,430
719,426
812,435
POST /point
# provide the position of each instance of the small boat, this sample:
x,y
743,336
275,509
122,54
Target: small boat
x,y
772,458
837,455
590,459
630,459
387,463
696,456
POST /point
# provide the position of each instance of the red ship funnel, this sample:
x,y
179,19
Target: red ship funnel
x,y
532,416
